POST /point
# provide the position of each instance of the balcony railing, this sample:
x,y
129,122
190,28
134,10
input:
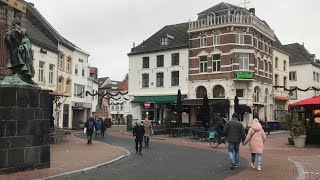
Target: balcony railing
x,y
211,21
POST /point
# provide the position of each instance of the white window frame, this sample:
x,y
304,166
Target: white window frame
x,y
216,63
255,39
243,93
293,76
244,61
68,82
239,37
51,73
76,69
164,41
216,39
60,64
258,64
203,41
41,71
203,65
68,65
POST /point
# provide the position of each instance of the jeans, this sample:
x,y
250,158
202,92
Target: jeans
x,y
259,158
102,134
233,153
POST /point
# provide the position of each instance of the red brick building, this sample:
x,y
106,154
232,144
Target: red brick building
x,y
231,55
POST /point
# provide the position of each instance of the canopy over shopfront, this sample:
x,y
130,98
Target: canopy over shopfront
x,y
217,105
315,100
154,99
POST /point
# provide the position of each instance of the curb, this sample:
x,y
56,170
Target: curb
x,y
82,171
151,137
300,168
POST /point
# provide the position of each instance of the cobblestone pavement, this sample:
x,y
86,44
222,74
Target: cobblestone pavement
x,y
71,156
280,161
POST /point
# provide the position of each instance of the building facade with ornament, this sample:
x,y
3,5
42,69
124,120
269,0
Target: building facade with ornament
x,y
158,68
304,73
231,55
280,78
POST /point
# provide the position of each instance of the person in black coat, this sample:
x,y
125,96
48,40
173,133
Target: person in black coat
x,y
138,133
90,125
103,127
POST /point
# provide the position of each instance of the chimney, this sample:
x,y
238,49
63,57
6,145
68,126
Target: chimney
x,y
252,11
134,44
303,44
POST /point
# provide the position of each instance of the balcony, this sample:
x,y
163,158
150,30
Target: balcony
x,y
231,19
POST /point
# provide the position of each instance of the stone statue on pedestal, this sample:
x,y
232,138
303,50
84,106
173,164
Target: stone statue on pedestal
x,y
19,56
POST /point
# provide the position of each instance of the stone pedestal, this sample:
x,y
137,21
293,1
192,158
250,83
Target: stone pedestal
x,y
24,129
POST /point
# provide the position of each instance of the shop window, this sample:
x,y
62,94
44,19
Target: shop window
x,y
201,91
218,92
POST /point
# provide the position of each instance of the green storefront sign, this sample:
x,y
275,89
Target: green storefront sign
x,y
242,75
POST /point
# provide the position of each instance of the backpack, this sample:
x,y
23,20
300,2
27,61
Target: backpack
x,y
90,125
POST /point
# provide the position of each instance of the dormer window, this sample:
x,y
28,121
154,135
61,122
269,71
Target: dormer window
x,y
166,40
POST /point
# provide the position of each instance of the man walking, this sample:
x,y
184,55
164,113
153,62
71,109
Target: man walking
x,y
90,125
235,134
138,132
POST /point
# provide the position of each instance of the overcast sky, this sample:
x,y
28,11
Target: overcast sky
x,y
107,28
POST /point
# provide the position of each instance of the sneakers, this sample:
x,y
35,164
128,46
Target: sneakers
x,y
252,165
259,167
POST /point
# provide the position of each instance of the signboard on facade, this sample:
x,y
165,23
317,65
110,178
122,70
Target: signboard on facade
x,y
244,75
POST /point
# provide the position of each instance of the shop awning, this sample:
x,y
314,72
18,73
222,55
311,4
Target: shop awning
x,y
278,98
244,109
217,105
154,99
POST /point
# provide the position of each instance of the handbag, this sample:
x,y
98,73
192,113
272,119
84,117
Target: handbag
x,y
85,130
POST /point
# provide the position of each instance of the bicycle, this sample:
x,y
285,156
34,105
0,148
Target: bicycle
x,y
213,140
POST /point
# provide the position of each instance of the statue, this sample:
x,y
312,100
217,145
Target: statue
x,y
19,53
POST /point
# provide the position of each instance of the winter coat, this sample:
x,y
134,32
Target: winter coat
x,y
87,125
234,131
148,129
138,132
103,126
256,138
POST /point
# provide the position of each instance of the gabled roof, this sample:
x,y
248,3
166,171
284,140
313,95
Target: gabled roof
x,y
278,45
299,54
123,86
152,44
33,13
102,81
39,38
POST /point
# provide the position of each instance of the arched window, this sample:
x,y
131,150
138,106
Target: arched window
x,y
218,92
201,91
266,96
256,94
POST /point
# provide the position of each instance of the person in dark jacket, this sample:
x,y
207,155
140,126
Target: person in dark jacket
x,y
138,133
235,134
219,127
90,125
103,128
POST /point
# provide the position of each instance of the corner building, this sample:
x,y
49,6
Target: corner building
x,y
230,55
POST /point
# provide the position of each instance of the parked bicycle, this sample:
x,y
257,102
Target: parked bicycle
x,y
214,139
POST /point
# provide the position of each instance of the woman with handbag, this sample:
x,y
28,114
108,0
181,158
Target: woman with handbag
x,y
256,138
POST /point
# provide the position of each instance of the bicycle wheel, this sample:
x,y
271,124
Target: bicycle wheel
x,y
214,143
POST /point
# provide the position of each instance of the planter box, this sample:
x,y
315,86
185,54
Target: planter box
x,y
300,141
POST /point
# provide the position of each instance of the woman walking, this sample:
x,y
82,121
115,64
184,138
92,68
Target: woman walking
x,y
256,138
148,131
